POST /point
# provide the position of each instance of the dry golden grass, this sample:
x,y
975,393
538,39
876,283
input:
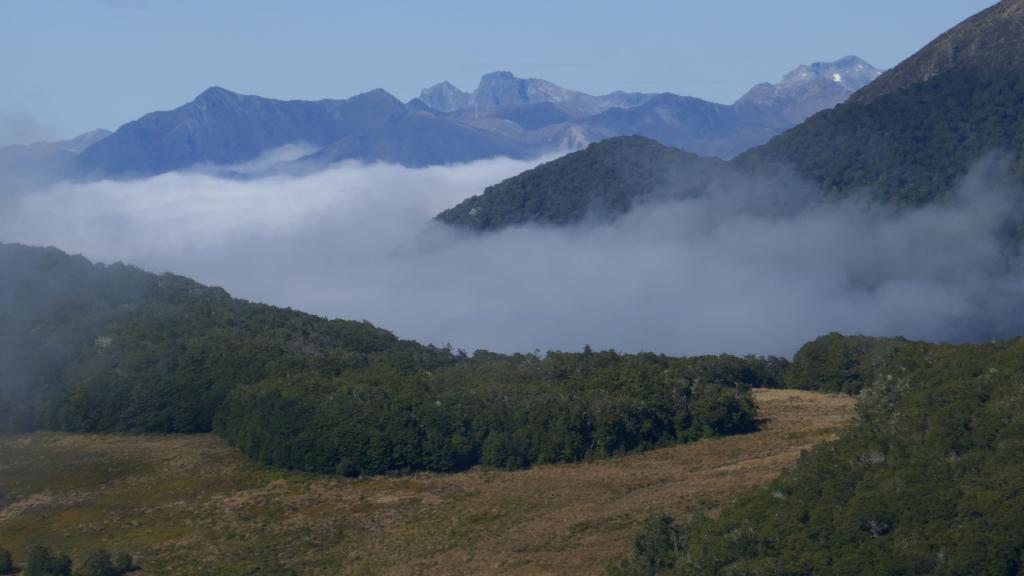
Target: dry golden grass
x,y
191,505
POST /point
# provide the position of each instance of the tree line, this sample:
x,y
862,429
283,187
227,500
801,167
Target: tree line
x,y
41,561
508,411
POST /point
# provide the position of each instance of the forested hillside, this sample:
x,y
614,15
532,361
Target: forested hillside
x,y
909,146
87,346
91,347
601,181
837,363
926,482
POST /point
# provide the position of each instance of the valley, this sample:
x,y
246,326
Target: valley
x,y
635,333
189,504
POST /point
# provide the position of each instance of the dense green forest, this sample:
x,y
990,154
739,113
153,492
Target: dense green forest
x,y
910,146
505,411
90,347
601,181
927,481
837,363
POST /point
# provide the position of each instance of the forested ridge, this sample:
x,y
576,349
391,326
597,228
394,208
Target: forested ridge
x,y
601,181
927,480
908,147
98,348
91,347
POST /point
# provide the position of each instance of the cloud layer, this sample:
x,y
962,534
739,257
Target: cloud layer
x,y
18,126
754,267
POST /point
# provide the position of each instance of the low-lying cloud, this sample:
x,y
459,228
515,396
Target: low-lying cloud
x,y
18,126
754,267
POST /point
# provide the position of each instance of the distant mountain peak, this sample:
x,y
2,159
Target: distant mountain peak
x,y
503,88
852,60
498,75
83,141
376,102
378,94
216,92
444,97
852,72
812,87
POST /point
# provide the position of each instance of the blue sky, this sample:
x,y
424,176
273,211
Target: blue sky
x,y
73,65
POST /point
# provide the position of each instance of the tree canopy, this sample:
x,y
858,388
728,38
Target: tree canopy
x,y
927,480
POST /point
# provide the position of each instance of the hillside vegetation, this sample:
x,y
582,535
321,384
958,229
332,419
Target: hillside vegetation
x,y
927,480
91,347
507,412
95,348
600,182
910,146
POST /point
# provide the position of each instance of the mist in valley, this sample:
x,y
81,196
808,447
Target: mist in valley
x,y
755,266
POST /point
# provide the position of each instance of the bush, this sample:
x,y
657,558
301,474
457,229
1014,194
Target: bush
x,y
6,562
124,563
42,562
98,563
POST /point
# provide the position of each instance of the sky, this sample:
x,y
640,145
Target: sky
x,y
69,66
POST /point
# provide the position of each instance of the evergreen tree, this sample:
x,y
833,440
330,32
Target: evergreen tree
x,y
6,562
42,562
124,563
98,563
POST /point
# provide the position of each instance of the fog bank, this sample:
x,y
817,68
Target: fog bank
x,y
754,267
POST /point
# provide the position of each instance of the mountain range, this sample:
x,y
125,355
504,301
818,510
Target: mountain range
x,y
26,165
504,116
906,139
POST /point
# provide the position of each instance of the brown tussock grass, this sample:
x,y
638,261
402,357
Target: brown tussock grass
x,y
192,505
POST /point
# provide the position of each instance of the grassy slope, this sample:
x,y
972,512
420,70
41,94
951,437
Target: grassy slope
x,y
191,505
